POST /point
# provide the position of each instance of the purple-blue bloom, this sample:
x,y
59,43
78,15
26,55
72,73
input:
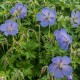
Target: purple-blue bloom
x,y
60,66
9,28
70,77
75,18
19,10
46,17
63,38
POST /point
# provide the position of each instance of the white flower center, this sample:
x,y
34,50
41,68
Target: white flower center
x,y
10,29
60,65
18,11
74,19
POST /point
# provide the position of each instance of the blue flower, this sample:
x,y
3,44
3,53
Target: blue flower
x,y
70,77
9,28
75,18
60,67
46,17
63,38
19,10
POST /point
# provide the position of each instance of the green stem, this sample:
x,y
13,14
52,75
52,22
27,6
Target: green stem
x,y
49,32
39,38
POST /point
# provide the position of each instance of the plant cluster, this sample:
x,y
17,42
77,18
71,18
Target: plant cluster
x,y
32,36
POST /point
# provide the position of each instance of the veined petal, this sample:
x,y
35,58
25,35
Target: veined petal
x,y
19,6
40,16
56,33
67,70
24,10
77,14
70,77
65,37
70,39
58,73
52,13
12,10
75,25
52,68
57,59
73,14
44,23
52,21
14,25
14,32
78,20
45,11
66,60
8,21
2,27
63,30
22,15
6,33
64,45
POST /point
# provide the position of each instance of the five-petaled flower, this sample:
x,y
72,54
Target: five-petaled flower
x,y
19,10
60,66
46,17
63,38
9,28
75,18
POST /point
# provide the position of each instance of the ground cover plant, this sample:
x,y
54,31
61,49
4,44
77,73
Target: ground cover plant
x,y
39,40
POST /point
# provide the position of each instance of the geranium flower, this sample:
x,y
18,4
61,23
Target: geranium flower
x,y
63,38
9,28
19,10
60,66
46,17
75,18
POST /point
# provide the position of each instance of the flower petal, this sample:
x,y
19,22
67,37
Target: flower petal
x,y
52,21
67,70
66,60
40,16
52,68
44,23
6,33
78,20
70,77
57,59
65,36
73,14
45,11
56,33
24,10
58,73
14,25
77,14
14,32
22,15
2,27
75,25
19,6
12,10
70,39
63,45
52,13
63,30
